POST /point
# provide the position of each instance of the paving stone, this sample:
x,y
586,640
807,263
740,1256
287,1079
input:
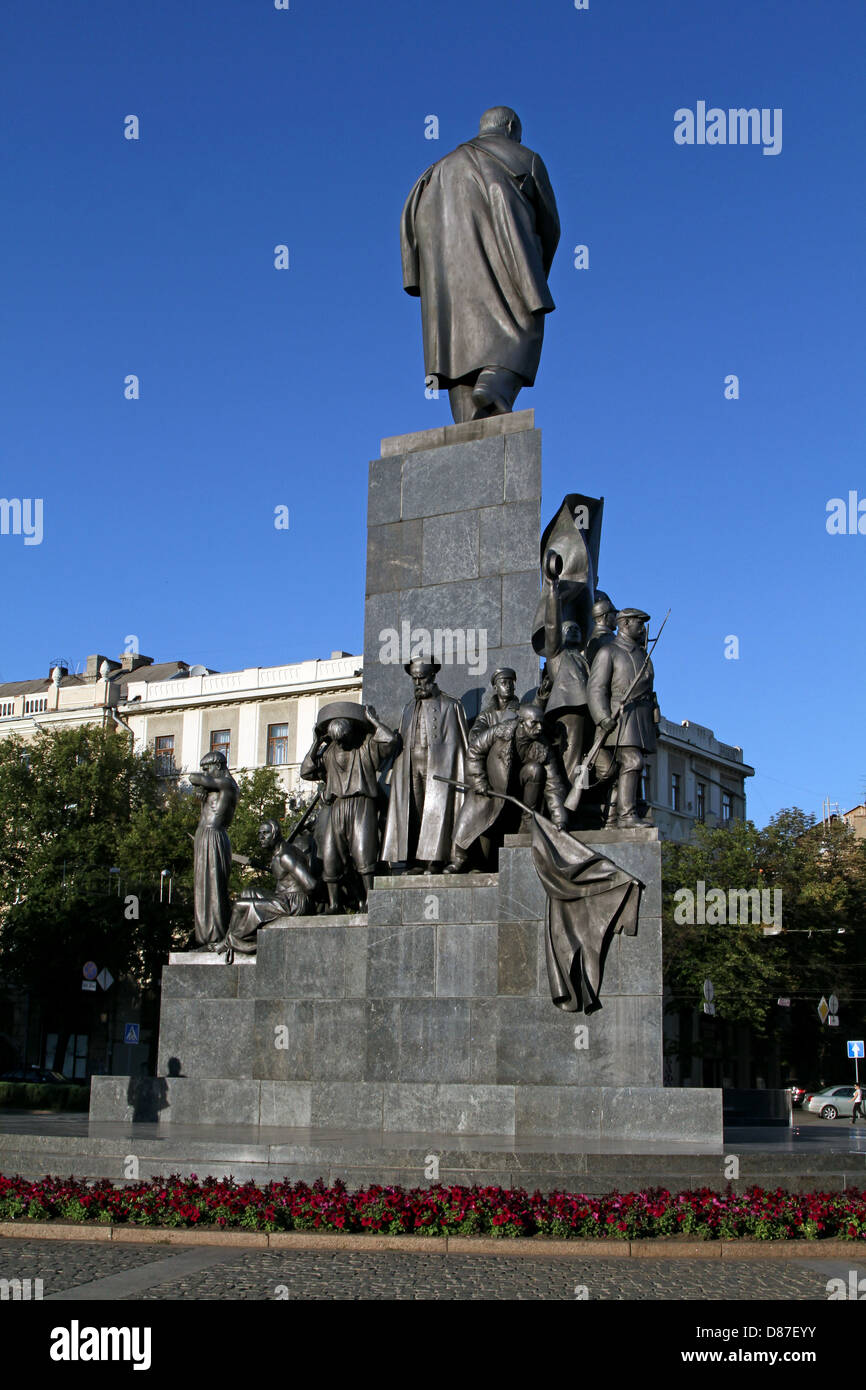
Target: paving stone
x,y
343,1276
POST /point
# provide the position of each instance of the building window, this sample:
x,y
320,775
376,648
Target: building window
x,y
37,705
278,745
164,750
701,800
221,742
7,709
676,790
74,1064
727,807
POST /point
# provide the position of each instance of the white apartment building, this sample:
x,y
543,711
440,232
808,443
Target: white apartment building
x,y
263,716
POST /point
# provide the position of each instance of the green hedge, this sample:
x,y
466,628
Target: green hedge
x,y
28,1095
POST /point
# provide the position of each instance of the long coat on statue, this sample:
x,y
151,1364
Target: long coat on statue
x,y
616,665
478,235
446,754
489,759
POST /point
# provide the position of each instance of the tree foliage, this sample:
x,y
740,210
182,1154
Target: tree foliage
x,y
821,873
96,861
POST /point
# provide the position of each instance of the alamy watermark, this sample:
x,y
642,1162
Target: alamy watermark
x,y
77,1343
22,516
846,517
759,907
735,126
855,1289
21,1290
449,646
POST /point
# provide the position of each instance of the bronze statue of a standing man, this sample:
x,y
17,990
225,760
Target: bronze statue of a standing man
x,y
478,235
218,792
422,810
624,707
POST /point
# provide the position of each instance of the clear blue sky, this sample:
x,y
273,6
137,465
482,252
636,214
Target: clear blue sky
x,y
261,387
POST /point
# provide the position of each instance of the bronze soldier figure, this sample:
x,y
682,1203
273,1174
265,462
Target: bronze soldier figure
x,y
630,729
603,626
478,236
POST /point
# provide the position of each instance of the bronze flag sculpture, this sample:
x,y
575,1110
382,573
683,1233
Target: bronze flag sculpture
x,y
588,900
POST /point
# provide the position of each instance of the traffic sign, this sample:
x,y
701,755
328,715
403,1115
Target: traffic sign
x,y
834,1004
130,1032
89,984
855,1049
90,970
784,1003
833,1021
105,978
823,1009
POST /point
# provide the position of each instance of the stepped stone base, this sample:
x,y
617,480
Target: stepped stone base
x,y
36,1145
432,1013
554,1112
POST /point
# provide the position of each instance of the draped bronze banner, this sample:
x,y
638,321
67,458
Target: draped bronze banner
x,y
588,899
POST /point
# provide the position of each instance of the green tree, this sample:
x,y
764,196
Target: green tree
x,y
85,831
821,874
96,863
737,959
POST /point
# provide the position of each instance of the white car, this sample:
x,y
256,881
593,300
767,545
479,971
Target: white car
x,y
831,1103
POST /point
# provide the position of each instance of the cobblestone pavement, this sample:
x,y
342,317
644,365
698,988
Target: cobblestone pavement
x,y
81,1270
63,1267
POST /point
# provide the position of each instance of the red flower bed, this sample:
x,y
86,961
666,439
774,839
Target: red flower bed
x,y
463,1211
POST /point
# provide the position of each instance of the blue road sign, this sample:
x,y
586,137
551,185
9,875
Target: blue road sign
x,y
90,970
130,1032
855,1049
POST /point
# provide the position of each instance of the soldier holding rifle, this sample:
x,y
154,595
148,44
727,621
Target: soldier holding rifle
x,y
624,708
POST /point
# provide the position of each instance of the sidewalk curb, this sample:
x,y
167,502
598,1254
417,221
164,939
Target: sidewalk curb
x,y
532,1247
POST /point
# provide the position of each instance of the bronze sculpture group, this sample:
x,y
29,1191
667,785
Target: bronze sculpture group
x,y
436,795
478,234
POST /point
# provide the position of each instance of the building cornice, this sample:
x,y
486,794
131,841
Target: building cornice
x,y
257,683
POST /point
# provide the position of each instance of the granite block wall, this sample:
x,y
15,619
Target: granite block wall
x,y
453,520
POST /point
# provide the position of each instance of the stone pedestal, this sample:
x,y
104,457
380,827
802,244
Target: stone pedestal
x,y
453,526
431,1014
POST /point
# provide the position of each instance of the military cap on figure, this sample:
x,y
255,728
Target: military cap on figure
x,y
603,625
420,666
